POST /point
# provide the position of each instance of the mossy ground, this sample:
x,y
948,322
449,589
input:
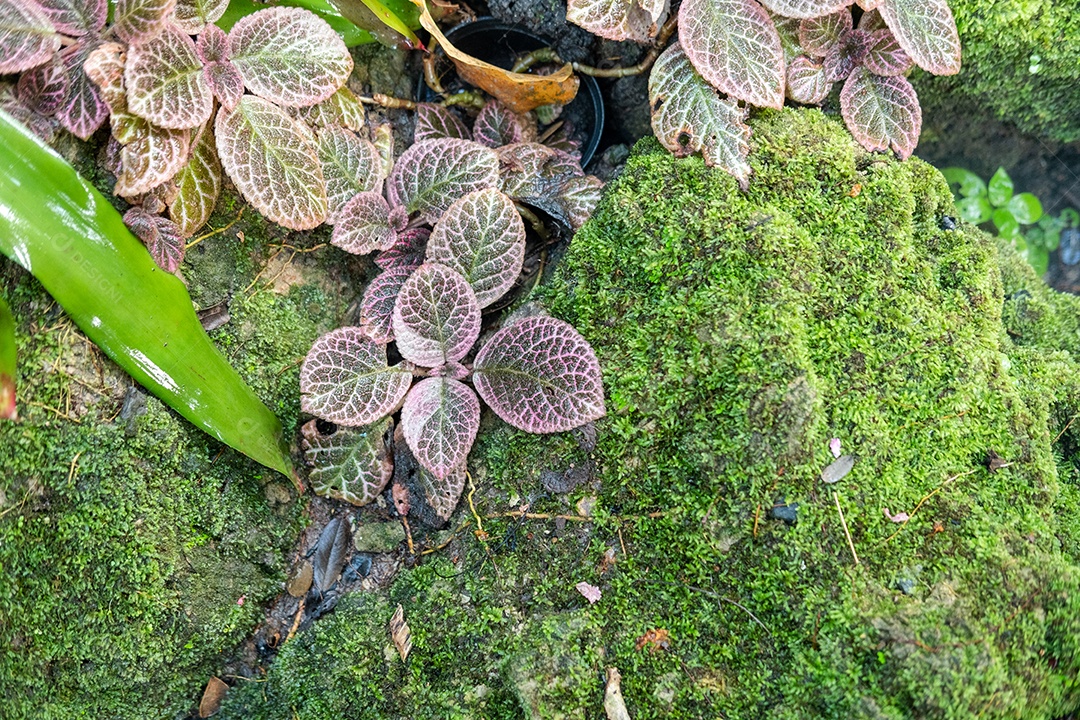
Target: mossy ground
x,y
738,333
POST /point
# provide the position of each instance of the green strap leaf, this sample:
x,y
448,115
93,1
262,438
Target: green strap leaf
x,y
58,227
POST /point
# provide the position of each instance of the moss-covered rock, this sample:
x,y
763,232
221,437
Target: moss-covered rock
x,y
738,333
1021,63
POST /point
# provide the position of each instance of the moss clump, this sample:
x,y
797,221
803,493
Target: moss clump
x,y
1021,61
738,333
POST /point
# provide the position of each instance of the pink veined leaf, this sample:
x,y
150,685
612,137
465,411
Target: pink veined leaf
x,y
688,116
806,81
803,9
482,237
76,17
589,592
881,112
198,185
194,16
42,126
84,110
225,83
105,68
407,251
377,305
27,36
788,30
453,370
273,161
212,45
443,495
366,224
637,20
136,21
44,88
846,55
345,379
434,122
927,32
578,197
151,157
350,464
871,20
540,375
561,140
886,57
341,109
433,173
289,55
436,317
868,5
160,235
818,35
735,47
350,165
498,125
165,82
439,419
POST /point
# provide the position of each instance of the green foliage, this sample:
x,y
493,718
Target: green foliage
x,y
738,333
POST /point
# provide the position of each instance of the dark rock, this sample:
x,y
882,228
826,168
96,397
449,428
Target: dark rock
x,y
358,568
786,512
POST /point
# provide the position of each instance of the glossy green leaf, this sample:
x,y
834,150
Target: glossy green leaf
x,y
976,210
349,32
1000,188
378,16
1038,258
966,182
7,363
1026,208
58,227
1005,223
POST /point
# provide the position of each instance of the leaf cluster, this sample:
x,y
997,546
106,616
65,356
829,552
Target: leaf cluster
x,y
756,54
451,242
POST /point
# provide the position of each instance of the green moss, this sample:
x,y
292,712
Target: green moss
x,y
738,333
1021,61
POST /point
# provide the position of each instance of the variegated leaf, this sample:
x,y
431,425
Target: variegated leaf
x,y
734,46
44,88
377,305
212,45
498,125
150,157
881,112
105,68
225,83
407,251
688,116
886,57
136,21
443,495
433,173
818,35
84,110
618,19
198,185
42,126
804,8
439,419
927,32
540,375
273,161
788,30
434,122
846,55
436,316
578,197
482,237
871,20
76,17
342,108
27,36
345,379
289,55
366,224
192,16
165,82
160,235
806,81
350,165
350,464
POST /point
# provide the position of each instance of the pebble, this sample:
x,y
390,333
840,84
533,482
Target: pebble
x,y
788,513
1070,246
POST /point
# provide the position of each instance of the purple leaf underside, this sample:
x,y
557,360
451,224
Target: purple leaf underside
x,y
27,36
818,34
482,237
407,251
44,88
881,112
436,317
366,224
926,31
350,165
160,235
345,379
541,376
735,47
435,122
806,81
688,116
377,305
165,82
350,464
498,125
84,110
846,55
431,174
636,20
440,419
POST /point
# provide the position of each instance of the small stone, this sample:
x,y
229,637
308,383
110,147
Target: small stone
x,y
838,469
277,494
905,585
947,222
788,513
359,567
300,582
585,506
378,537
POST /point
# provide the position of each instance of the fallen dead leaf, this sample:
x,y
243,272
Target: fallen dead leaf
x,y
656,639
898,517
607,561
519,91
838,469
300,582
212,696
400,633
614,706
834,447
590,592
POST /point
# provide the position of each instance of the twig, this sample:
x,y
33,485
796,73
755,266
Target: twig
x,y
757,514
480,533
548,55
388,102
618,530
926,497
74,466
296,621
536,223
431,77
1066,428
212,233
844,523
408,534
452,538
538,516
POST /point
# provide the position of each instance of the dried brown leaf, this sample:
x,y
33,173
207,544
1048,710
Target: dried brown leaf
x,y
212,696
400,633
